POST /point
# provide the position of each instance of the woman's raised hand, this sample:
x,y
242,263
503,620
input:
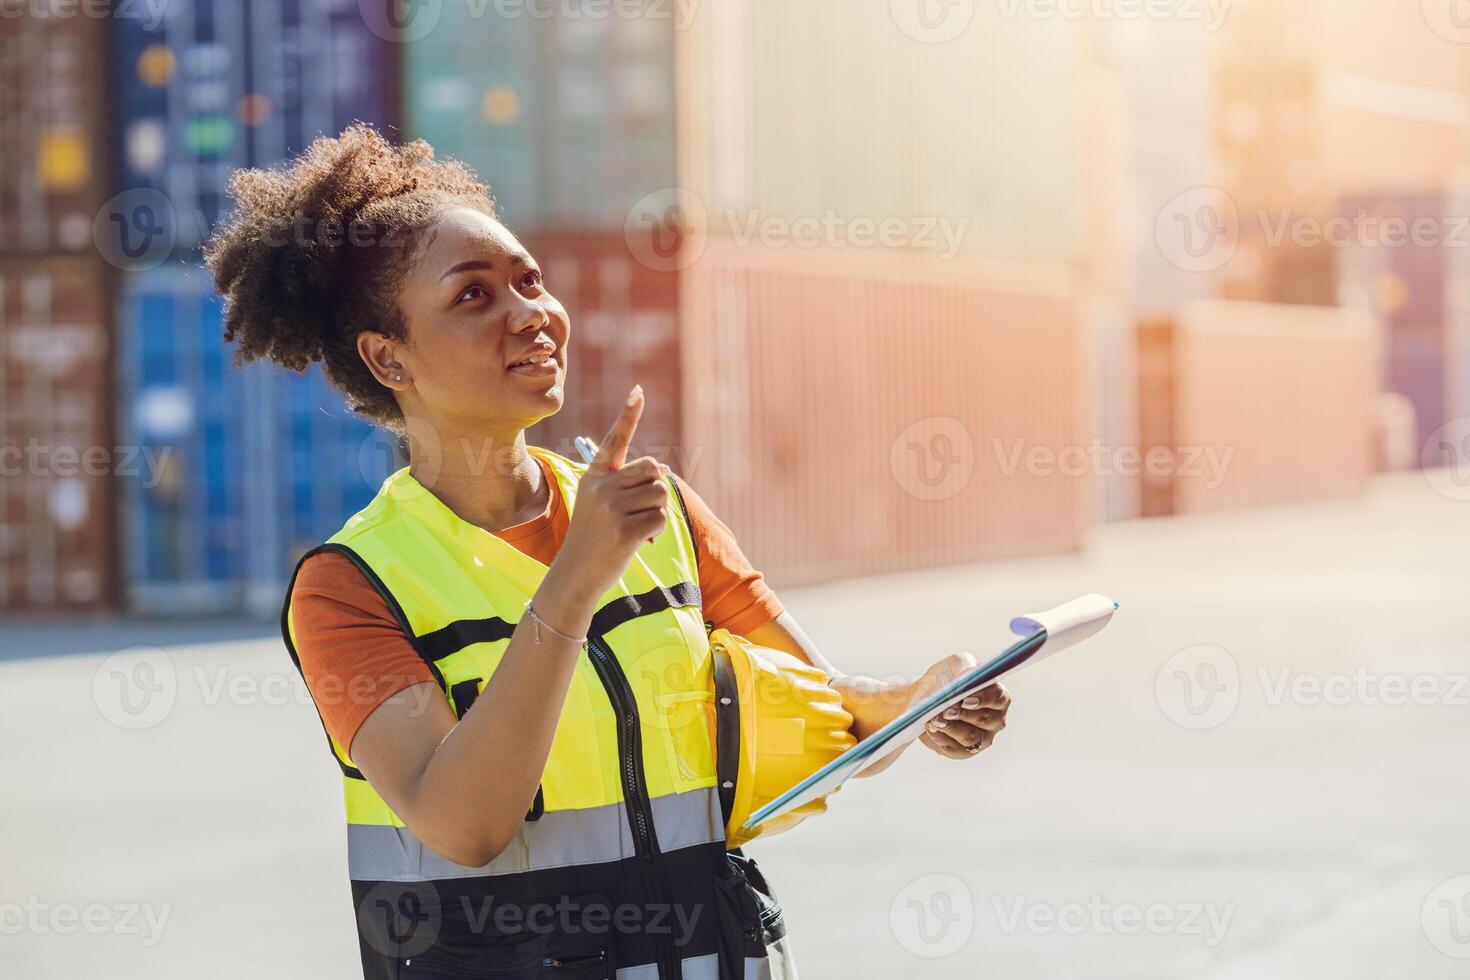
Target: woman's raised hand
x,y
620,504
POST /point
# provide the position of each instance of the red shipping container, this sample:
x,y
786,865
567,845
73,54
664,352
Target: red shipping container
x,y
624,319
56,448
869,412
51,100
1244,404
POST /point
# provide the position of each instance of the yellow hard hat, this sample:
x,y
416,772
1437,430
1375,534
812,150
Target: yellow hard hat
x,y
776,722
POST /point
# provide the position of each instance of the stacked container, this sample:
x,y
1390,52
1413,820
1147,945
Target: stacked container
x,y
1409,266
567,114
257,465
1247,404
797,111
56,445
835,443
1312,106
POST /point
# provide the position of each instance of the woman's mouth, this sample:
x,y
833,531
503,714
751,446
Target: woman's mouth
x,y
542,363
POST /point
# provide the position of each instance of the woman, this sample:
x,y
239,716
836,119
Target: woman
x,y
514,807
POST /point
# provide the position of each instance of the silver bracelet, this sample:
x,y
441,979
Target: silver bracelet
x,y
538,622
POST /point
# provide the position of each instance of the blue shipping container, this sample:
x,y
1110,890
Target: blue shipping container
x,y
254,465
213,85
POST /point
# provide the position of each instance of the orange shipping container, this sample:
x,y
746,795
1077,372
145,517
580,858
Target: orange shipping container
x,y
863,413
57,462
1244,404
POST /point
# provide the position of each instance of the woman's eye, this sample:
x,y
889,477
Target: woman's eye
x,y
471,292
531,279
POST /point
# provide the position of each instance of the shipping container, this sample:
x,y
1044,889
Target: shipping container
x,y
864,413
566,111
1114,386
255,465
51,153
57,452
1269,268
1244,404
828,109
624,319
1312,103
1407,262
213,85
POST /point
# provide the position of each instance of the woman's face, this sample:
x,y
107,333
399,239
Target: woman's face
x,y
487,343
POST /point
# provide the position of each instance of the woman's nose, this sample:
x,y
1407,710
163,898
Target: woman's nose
x,y
530,316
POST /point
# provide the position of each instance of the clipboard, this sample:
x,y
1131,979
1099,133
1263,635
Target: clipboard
x,y
1042,635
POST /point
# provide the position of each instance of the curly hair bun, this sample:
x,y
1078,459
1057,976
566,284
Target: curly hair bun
x,y
313,251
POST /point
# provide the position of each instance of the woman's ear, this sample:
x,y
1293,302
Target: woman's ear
x,y
380,353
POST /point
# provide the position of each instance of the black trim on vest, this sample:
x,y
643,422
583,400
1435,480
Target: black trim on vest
x,y
350,772
727,730
448,640
454,637
688,523
464,694
625,609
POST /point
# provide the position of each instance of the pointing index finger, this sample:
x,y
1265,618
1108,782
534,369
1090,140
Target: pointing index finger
x,y
614,451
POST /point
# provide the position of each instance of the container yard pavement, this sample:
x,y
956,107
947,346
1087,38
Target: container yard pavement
x,y
1306,820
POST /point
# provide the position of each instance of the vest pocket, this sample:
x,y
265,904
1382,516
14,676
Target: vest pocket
x,y
580,950
751,919
579,964
684,720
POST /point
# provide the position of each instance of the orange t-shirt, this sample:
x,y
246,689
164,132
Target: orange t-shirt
x,y
355,656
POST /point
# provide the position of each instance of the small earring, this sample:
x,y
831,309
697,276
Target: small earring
x,y
397,377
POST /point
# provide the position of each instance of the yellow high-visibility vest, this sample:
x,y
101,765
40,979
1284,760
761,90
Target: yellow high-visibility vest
x,y
621,862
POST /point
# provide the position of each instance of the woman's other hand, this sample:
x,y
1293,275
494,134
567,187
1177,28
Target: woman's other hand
x,y
970,727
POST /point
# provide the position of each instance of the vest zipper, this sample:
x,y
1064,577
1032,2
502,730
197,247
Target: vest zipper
x,y
635,785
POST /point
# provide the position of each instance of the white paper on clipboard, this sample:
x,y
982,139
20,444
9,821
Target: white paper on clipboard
x,y
1042,635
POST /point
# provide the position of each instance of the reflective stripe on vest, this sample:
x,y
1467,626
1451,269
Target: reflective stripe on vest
x,y
627,814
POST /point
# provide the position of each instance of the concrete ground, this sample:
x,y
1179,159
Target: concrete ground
x,y
1258,771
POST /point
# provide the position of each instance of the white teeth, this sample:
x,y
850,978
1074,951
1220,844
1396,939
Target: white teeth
x,y
533,359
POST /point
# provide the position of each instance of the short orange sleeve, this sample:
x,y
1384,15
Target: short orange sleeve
x,y
353,653
736,596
